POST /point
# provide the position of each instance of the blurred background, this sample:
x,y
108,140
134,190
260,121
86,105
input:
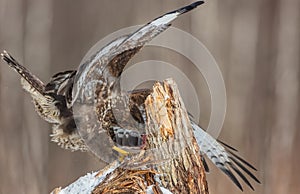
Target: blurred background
x,y
255,43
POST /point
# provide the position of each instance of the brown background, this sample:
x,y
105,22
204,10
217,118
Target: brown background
x,y
256,44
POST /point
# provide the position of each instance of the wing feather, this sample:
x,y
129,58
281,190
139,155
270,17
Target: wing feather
x,y
44,104
34,81
223,157
110,61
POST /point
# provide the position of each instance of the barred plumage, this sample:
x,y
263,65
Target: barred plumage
x,y
53,101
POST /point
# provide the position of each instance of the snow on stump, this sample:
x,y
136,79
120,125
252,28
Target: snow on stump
x,y
173,164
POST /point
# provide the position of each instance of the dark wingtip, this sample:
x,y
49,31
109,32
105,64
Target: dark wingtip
x,y
241,175
187,8
244,169
242,160
228,146
5,56
232,177
235,155
190,7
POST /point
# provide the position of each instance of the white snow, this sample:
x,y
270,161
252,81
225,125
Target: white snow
x,y
86,184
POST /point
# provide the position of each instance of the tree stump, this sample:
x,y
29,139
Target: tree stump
x,y
171,153
184,172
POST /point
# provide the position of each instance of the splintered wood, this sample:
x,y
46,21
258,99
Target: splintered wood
x,y
170,147
170,161
171,133
126,181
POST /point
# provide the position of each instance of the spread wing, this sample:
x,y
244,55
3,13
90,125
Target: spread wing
x,y
110,61
44,104
36,84
223,156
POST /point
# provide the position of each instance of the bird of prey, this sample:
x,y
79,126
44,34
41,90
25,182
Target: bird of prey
x,y
54,101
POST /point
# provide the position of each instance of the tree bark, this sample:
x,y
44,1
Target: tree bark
x,y
184,172
171,152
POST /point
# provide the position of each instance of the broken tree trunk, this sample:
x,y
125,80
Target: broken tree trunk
x,y
171,152
168,118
